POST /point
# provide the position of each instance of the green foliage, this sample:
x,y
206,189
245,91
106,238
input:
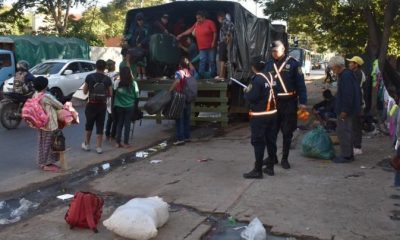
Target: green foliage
x,y
336,24
98,24
11,22
114,14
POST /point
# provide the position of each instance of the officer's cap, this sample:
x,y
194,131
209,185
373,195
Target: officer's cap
x,y
277,44
256,60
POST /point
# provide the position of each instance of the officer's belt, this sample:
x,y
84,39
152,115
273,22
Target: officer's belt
x,y
271,102
265,113
287,94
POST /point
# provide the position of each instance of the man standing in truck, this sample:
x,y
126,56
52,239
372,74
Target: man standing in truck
x,y
205,32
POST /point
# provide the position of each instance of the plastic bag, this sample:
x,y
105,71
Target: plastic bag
x,y
139,218
156,103
255,231
318,144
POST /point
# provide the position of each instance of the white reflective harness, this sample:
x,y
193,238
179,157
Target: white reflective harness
x,y
271,102
278,75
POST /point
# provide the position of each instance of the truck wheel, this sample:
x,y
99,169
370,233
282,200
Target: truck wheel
x,y
57,93
10,115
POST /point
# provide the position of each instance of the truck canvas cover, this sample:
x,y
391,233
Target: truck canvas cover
x,y
36,49
252,35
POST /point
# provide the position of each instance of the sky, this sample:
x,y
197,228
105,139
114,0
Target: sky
x,y
249,4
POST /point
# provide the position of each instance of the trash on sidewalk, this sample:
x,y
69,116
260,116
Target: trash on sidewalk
x,y
65,196
23,208
163,145
142,154
15,213
255,231
206,159
105,166
139,218
232,221
152,150
155,161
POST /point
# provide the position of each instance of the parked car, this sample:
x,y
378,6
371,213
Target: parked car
x,y
65,75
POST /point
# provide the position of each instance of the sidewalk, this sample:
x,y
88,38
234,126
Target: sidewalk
x,y
315,199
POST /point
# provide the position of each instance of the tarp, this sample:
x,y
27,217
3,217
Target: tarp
x,y
252,35
36,49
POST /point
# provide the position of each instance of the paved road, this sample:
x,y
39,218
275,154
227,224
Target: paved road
x,y
18,148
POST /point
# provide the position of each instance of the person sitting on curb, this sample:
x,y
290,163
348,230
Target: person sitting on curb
x,y
325,110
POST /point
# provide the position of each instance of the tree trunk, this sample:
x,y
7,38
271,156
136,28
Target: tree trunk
x,y
374,33
390,77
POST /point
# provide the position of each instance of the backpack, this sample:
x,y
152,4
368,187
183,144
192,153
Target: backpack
x,y
33,112
190,87
85,211
98,93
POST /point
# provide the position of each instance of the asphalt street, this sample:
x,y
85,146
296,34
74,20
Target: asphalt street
x,y
18,148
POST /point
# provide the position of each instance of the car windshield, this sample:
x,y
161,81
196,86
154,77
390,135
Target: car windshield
x,y
47,68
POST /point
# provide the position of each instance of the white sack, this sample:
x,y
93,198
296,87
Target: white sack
x,y
139,218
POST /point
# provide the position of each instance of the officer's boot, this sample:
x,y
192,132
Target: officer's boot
x,y
285,153
275,160
269,169
257,171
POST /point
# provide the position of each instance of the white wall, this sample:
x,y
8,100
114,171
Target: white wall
x,y
105,53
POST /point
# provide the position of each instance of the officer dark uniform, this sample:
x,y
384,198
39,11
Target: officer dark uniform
x,y
263,114
291,90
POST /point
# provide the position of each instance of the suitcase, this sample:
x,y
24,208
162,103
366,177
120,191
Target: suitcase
x,y
164,49
174,108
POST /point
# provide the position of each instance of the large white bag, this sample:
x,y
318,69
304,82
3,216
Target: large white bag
x,y
139,218
160,207
255,231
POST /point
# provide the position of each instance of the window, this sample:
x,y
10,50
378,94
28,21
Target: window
x,y
74,67
47,68
5,60
87,67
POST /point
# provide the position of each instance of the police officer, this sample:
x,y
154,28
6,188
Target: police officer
x,y
263,114
291,91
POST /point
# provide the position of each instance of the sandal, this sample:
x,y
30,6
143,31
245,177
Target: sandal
x,y
51,168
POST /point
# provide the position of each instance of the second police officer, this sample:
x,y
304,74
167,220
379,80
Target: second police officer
x,y
261,97
291,94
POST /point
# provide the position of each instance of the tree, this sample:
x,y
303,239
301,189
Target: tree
x,y
11,22
115,12
58,10
349,26
90,27
98,24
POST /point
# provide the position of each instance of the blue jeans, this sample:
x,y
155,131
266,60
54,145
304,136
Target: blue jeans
x,y
207,56
124,118
183,124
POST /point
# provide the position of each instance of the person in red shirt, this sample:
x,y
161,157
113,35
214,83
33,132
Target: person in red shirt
x,y
205,32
